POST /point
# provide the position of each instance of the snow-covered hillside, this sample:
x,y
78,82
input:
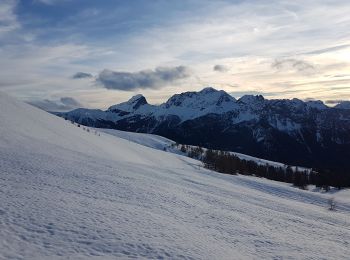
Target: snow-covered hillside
x,y
149,140
162,143
69,193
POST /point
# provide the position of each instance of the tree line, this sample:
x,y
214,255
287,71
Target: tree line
x,y
228,163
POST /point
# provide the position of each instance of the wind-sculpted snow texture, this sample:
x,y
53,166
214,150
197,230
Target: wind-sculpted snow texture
x,y
69,193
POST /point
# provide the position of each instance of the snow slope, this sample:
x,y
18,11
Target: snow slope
x,y
153,141
161,143
68,193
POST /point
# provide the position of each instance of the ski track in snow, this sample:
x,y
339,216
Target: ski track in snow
x,y
66,193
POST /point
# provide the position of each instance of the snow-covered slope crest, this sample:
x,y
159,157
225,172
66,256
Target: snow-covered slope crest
x,y
149,140
66,193
165,144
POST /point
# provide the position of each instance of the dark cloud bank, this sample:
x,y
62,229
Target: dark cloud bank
x,y
336,101
82,75
220,68
154,79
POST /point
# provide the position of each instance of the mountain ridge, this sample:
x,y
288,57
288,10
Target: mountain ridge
x,y
316,135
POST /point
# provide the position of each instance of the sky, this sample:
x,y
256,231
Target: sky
x,y
70,53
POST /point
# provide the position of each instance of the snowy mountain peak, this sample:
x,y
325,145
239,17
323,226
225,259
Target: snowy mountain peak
x,y
190,105
343,105
137,100
298,104
317,104
206,97
208,90
134,103
251,99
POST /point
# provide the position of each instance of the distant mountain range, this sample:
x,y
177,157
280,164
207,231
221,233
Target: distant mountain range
x,y
297,132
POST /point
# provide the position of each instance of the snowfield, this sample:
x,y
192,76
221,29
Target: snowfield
x,y
69,193
149,140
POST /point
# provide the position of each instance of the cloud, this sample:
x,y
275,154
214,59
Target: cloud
x,y
69,101
152,79
309,99
8,18
82,75
169,34
63,104
220,68
339,76
37,72
335,101
238,94
293,64
49,2
330,49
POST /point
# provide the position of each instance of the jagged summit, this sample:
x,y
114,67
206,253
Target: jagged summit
x,y
209,90
207,96
249,99
192,104
137,101
133,104
317,104
137,98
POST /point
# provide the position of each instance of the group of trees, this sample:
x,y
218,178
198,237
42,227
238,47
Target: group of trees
x,y
325,178
228,163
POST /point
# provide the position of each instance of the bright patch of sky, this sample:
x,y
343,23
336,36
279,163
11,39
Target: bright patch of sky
x,y
102,52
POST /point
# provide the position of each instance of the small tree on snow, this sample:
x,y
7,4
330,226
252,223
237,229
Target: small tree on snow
x,y
332,204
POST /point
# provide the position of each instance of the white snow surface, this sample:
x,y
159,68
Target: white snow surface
x,y
68,193
149,140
